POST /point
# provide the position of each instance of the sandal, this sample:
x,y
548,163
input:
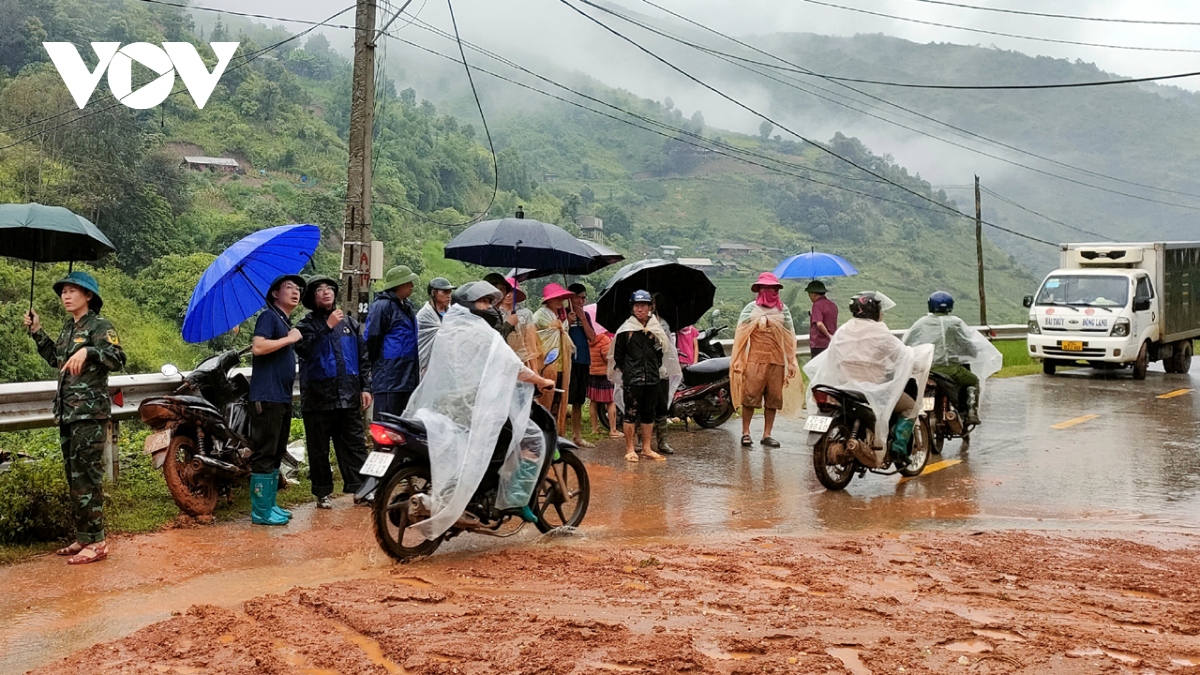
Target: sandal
x,y
768,442
616,434
584,443
631,457
654,456
746,441
73,549
89,554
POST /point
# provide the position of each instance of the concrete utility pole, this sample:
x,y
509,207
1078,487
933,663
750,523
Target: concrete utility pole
x,y
979,254
356,247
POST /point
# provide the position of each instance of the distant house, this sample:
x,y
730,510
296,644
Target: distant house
x,y
591,226
222,164
702,264
549,178
730,249
669,252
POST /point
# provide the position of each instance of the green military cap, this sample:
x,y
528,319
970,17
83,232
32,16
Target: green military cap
x,y
816,286
85,281
307,297
397,276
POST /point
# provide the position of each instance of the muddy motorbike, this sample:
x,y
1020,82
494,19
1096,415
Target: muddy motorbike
x,y
947,413
398,471
842,436
201,433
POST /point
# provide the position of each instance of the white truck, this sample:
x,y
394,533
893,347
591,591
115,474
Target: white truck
x,y
1118,305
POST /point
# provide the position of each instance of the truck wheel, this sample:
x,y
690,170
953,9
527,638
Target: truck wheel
x,y
1049,367
1181,358
1142,364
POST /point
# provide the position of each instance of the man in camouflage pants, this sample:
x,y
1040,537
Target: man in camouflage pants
x,y
86,351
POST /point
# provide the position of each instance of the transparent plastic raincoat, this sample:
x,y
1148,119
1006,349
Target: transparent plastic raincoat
x,y
956,343
464,402
776,325
670,370
864,356
428,324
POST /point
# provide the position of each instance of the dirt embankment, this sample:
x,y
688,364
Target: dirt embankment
x,y
874,603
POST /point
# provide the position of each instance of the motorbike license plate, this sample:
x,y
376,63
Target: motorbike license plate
x,y
377,464
929,404
818,423
1069,346
158,441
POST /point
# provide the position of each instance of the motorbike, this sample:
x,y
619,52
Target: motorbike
x,y
201,433
398,473
948,419
842,436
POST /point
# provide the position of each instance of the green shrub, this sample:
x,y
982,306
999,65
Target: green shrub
x,y
34,503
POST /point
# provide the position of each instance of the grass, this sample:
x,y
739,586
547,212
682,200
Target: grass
x,y
1016,359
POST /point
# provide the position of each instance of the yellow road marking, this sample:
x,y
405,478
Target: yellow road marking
x,y
1177,392
1070,423
937,466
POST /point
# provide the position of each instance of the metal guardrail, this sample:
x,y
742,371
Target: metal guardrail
x,y
1012,331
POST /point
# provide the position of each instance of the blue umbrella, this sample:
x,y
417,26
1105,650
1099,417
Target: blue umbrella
x,y
814,264
235,285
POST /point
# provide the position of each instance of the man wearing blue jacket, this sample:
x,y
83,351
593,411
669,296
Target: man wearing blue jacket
x,y
392,342
335,389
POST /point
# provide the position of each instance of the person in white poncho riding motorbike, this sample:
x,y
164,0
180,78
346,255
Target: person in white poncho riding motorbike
x,y
864,356
474,385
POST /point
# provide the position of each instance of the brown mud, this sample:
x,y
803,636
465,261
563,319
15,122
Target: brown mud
x,y
923,602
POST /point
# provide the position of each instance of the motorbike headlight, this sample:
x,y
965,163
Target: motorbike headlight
x,y
1121,328
1034,328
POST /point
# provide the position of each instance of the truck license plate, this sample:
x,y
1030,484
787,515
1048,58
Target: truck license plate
x,y
377,464
158,441
818,423
1069,346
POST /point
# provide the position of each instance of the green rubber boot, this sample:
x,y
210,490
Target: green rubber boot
x,y
902,438
262,499
277,509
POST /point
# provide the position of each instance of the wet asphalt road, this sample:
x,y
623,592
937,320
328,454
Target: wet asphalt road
x,y
1079,451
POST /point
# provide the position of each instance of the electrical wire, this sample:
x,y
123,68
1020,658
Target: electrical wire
x,y
248,14
1003,10
997,33
728,57
1041,215
762,116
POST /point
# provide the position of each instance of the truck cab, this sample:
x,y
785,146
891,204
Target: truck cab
x,y
1104,307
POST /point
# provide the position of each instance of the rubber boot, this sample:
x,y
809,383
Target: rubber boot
x,y
660,437
973,406
262,499
903,436
278,510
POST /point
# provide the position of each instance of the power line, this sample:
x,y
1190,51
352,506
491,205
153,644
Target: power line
x,y
777,124
960,130
1039,214
1002,10
997,33
248,15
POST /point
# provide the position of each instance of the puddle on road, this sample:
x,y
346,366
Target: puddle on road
x,y
1143,595
968,647
1185,661
371,648
849,658
1001,635
714,651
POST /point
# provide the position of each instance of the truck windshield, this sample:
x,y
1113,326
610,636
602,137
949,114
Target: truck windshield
x,y
1085,291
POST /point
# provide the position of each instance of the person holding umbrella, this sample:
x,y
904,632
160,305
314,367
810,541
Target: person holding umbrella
x,y
552,321
335,389
524,338
824,318
762,368
86,351
429,318
636,363
274,375
392,342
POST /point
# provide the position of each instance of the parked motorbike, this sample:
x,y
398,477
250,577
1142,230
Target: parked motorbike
x,y
708,347
399,470
947,417
842,436
201,433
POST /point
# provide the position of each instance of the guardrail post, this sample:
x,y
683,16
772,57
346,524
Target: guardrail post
x,y
112,458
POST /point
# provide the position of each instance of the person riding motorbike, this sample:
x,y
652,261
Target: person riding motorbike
x,y
953,347
864,356
474,385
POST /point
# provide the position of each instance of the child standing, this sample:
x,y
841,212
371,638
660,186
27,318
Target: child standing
x,y
600,388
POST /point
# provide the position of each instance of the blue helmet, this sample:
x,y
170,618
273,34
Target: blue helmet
x,y
941,302
640,296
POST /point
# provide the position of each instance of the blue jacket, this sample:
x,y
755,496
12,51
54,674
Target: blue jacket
x,y
334,368
392,345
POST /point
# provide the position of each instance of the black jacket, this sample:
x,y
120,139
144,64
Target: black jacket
x,y
639,357
334,368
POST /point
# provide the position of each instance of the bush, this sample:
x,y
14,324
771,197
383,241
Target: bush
x,y
34,503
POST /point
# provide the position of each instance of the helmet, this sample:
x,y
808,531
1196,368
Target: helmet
x,y
866,306
941,302
640,296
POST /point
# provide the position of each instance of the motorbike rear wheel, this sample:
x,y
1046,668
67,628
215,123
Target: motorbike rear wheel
x,y
194,492
564,494
833,476
714,421
919,453
393,515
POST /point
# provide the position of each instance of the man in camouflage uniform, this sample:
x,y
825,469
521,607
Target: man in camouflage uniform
x,y
86,351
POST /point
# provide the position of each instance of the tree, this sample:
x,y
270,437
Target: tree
x,y
616,220
765,129
570,208
698,122
668,103
587,195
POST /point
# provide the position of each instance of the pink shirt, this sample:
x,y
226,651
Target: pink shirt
x,y
685,342
824,311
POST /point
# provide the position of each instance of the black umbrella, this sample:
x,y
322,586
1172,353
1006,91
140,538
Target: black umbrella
x,y
39,233
602,256
687,292
518,242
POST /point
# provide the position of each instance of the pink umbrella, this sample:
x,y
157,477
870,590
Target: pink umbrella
x,y
590,310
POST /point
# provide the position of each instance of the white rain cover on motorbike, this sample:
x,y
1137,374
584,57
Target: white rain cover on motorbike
x,y
670,370
955,342
519,474
865,357
464,400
